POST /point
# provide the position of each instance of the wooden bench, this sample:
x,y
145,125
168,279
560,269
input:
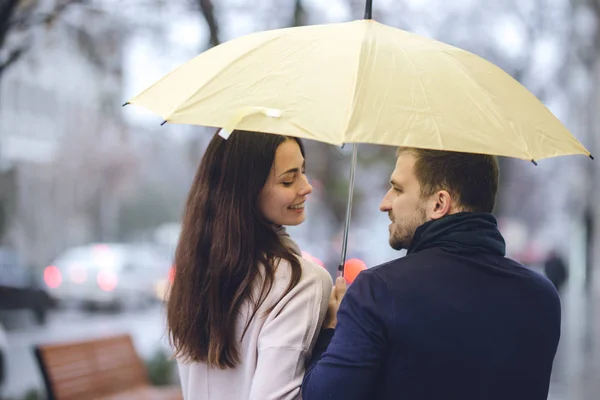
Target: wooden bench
x,y
100,369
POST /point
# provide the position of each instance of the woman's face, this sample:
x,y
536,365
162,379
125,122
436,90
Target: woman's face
x,y
281,200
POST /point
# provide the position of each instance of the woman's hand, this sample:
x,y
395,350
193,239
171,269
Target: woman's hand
x,y
337,294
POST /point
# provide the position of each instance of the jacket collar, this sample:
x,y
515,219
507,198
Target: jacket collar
x,y
463,233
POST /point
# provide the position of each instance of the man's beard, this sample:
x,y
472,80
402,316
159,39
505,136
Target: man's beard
x,y
403,232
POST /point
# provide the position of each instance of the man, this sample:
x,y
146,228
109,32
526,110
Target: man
x,y
454,318
556,270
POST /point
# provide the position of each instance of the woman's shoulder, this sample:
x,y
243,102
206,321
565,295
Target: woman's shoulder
x,y
315,271
315,282
311,272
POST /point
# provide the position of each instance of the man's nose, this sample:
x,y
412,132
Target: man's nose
x,y
386,203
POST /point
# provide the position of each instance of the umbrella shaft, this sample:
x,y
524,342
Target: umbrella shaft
x,y
348,208
369,9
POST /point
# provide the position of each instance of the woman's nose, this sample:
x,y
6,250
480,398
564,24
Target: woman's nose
x,y
306,188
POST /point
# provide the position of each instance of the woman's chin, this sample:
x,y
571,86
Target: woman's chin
x,y
296,220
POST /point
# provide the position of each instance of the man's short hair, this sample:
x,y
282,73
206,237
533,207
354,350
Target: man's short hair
x,y
471,179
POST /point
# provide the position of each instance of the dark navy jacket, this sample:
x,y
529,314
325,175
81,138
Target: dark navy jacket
x,y
453,319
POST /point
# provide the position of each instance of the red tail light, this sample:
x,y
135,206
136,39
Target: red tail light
x,y
107,280
52,277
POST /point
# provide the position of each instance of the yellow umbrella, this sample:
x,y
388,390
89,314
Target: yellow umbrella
x,y
360,82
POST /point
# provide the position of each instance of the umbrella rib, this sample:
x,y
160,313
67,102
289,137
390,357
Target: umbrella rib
x,y
352,101
437,127
310,135
221,71
478,85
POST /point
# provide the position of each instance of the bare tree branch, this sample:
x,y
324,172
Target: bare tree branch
x,y
7,9
30,20
12,58
25,20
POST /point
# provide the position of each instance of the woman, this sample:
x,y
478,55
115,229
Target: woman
x,y
245,309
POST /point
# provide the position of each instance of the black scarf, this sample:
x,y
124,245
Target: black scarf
x,y
462,233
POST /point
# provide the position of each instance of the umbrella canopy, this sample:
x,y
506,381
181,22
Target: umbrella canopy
x,y
360,82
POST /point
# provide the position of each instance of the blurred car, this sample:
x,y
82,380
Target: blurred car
x,y
110,276
19,290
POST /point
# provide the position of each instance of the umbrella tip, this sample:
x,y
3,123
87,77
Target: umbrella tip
x,y
125,104
591,156
164,122
534,163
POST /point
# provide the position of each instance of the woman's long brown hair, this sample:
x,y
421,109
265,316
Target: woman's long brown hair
x,y
223,240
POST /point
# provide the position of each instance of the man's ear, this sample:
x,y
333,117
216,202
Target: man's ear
x,y
441,204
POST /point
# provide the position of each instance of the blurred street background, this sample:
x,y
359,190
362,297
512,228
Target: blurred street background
x,y
88,187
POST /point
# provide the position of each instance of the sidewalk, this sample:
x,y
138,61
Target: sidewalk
x,y
576,372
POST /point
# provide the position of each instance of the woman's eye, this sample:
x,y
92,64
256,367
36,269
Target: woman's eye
x,y
287,184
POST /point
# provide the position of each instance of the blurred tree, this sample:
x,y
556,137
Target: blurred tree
x,y
7,10
300,16
17,19
208,12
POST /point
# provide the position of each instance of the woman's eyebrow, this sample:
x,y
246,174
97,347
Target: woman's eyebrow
x,y
289,171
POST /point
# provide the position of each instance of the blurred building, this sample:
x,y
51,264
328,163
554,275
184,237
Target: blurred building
x,y
62,136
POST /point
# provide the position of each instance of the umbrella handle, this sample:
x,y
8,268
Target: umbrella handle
x,y
348,209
